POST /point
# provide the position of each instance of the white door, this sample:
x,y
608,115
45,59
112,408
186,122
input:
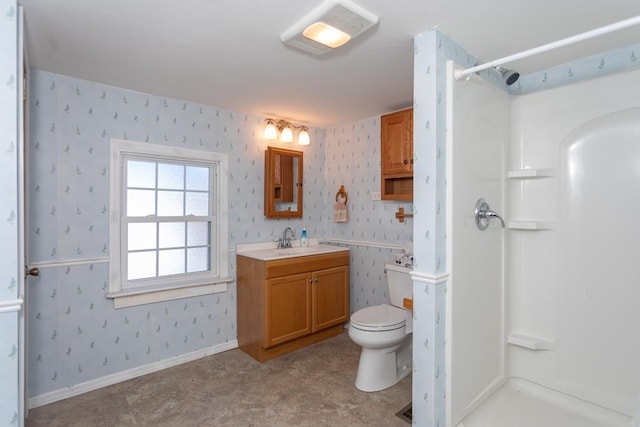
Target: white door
x,y
478,130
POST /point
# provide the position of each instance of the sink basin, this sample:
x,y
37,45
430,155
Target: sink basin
x,y
300,250
259,252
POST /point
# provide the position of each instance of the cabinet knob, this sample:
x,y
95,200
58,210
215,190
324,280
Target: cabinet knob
x,y
310,281
405,161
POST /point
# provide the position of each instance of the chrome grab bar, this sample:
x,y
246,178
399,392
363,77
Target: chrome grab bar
x,y
483,214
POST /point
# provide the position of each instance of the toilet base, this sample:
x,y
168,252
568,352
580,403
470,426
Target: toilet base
x,y
379,369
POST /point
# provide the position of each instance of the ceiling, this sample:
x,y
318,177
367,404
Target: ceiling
x,y
227,53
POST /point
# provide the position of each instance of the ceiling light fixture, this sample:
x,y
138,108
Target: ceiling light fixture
x,y
326,34
283,130
330,25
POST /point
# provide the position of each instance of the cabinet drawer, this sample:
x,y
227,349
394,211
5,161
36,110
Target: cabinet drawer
x,y
304,264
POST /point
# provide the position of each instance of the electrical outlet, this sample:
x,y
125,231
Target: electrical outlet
x,y
376,195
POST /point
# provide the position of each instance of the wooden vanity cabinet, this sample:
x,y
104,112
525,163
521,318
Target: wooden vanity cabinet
x,y
396,148
289,303
287,308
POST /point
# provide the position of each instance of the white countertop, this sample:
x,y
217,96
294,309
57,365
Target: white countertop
x,y
268,251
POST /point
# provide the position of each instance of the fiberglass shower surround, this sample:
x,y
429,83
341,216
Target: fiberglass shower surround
x,y
558,337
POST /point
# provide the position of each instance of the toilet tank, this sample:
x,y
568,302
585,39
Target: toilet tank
x,y
399,283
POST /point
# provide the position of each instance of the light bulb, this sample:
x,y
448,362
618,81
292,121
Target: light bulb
x,y
270,131
303,137
287,134
326,34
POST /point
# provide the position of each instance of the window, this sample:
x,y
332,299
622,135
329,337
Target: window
x,y
168,227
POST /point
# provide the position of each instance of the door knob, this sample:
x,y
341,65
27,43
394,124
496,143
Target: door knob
x,y
35,271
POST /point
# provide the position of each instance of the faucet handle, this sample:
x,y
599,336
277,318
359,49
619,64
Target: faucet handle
x,y
483,214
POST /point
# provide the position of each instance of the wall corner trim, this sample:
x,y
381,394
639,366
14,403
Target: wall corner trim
x,y
429,279
11,305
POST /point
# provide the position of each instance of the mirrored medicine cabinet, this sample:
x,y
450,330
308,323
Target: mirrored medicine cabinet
x,y
282,183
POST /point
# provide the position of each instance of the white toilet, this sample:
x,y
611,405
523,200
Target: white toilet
x,y
384,332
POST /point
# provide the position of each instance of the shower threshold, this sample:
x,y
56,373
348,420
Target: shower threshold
x,y
525,404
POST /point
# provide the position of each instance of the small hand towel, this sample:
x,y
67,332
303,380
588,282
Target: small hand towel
x,y
340,212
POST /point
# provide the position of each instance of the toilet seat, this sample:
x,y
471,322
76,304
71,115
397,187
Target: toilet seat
x,y
379,318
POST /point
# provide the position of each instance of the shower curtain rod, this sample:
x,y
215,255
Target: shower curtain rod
x,y
458,74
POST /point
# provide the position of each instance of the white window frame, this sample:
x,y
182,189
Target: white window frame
x,y
176,286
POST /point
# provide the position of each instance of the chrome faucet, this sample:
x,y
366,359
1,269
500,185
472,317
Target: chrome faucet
x,y
287,236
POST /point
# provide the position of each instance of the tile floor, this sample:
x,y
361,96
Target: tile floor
x,y
311,387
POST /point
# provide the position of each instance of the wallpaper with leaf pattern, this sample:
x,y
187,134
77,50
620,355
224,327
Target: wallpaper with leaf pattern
x,y
9,351
74,333
431,51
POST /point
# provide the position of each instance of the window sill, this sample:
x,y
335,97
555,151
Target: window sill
x,y
135,297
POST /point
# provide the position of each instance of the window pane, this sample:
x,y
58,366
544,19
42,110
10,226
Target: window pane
x,y
198,233
141,174
141,236
141,202
171,262
170,203
197,259
170,176
141,265
197,204
197,178
171,234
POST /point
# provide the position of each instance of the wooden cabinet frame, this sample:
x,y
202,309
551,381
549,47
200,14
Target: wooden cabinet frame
x,y
286,304
283,177
396,151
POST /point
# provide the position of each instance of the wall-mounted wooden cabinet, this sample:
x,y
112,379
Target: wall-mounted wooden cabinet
x,y
286,304
282,183
396,136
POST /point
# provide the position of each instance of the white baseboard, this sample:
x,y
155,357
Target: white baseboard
x,y
74,390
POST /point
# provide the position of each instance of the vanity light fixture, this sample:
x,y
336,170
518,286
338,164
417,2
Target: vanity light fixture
x,y
303,136
283,130
286,135
270,130
330,25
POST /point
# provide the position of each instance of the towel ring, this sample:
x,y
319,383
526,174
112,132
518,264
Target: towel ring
x,y
342,193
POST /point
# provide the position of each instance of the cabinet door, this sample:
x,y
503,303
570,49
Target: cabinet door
x,y
330,297
287,308
397,142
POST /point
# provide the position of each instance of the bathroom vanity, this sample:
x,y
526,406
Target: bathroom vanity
x,y
290,298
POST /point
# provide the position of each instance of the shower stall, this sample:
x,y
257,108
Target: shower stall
x,y
543,316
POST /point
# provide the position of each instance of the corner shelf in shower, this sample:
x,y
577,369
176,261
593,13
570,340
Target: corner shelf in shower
x,y
527,174
531,225
530,342
531,173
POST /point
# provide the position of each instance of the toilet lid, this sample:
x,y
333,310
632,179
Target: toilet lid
x,y
379,318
